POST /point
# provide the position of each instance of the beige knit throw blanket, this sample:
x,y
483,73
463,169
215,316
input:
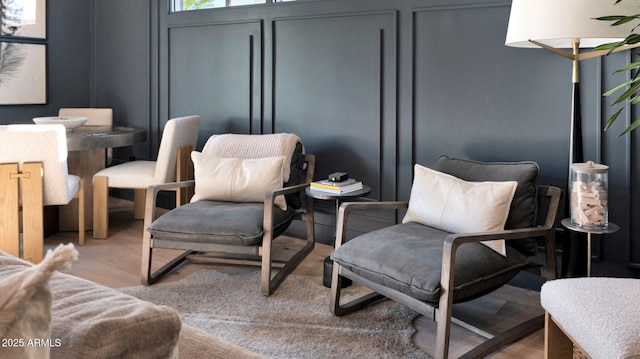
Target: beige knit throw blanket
x,y
254,146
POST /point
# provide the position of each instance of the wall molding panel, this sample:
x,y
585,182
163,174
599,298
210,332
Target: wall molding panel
x,y
374,87
215,70
341,95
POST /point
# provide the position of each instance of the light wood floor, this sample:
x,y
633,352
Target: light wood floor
x,y
115,262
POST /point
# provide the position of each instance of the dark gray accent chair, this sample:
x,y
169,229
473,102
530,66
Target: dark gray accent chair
x,y
242,233
429,270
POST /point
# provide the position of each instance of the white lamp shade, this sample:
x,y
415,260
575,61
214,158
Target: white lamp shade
x,y
557,22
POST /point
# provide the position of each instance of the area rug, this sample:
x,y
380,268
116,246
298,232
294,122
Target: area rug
x,y
294,322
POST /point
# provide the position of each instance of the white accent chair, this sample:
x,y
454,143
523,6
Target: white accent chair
x,y
34,157
179,137
95,117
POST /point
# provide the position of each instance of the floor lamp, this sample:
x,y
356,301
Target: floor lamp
x,y
556,25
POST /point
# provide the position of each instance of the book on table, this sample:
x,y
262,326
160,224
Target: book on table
x,y
345,186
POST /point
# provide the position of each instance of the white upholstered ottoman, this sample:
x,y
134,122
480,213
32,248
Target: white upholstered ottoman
x,y
600,316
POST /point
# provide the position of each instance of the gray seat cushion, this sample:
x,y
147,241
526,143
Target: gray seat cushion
x,y
524,206
218,222
408,258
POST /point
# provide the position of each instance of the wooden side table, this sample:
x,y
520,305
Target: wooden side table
x,y
611,228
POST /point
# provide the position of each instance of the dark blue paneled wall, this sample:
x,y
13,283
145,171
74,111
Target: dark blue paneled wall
x,y
372,87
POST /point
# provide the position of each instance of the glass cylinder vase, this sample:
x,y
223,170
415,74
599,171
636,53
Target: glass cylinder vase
x,y
589,195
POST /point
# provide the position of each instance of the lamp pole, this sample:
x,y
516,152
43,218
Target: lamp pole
x,y
573,249
576,151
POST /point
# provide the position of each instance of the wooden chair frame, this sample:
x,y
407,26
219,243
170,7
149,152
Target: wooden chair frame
x,y
443,313
27,210
260,255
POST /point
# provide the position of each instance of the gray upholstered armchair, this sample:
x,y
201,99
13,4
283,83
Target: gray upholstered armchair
x,y
470,228
247,192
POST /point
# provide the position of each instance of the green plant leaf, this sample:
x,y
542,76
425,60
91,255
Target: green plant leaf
x,y
631,127
624,20
612,119
609,46
628,67
633,38
610,18
617,87
633,89
630,96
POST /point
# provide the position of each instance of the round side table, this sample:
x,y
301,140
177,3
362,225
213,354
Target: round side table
x,y
338,198
611,228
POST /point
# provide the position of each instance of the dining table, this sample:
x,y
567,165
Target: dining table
x,y
87,154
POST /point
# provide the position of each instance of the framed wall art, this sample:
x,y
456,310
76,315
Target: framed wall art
x,y
24,18
23,52
23,73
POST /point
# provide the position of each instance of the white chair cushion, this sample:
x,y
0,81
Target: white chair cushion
x,y
73,186
177,133
600,314
450,204
40,143
135,174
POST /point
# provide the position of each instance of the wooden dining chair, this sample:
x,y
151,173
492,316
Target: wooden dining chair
x,y
95,117
179,137
33,174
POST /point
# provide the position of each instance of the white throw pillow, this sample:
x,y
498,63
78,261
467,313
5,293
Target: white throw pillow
x,y
237,179
450,204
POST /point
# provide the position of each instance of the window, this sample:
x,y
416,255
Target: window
x,y
186,5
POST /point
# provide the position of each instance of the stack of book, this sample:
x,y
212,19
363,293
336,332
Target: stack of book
x,y
348,185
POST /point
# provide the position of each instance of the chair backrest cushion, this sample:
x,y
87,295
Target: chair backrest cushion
x,y
95,116
262,146
177,133
454,205
236,179
40,143
524,206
